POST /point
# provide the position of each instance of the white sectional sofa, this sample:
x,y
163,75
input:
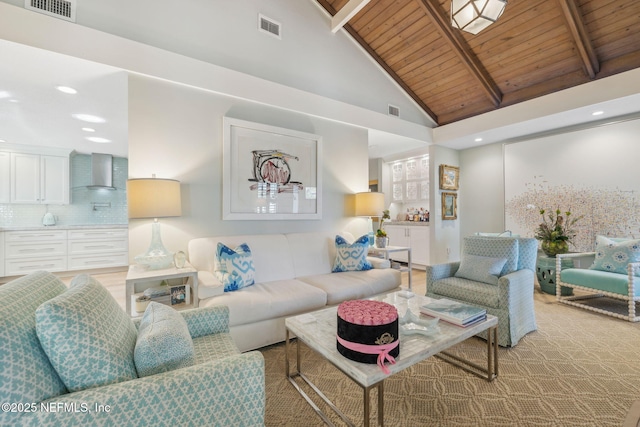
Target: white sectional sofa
x,y
293,276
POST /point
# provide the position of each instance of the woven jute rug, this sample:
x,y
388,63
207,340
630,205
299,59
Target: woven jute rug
x,y
579,368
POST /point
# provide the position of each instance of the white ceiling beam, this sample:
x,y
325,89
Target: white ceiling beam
x,y
347,12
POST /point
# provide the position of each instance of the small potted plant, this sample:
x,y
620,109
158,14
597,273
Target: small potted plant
x,y
381,238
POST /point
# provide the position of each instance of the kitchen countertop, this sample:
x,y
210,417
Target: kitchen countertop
x,y
61,227
417,223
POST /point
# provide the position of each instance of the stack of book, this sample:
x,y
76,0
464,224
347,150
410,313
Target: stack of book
x,y
455,312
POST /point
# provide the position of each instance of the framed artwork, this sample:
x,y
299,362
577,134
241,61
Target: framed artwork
x,y
449,176
270,173
180,294
449,206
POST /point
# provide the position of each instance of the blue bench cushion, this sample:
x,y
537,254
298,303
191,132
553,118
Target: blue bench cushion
x,y
470,291
600,280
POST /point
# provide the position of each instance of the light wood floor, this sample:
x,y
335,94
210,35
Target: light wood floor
x,y
115,283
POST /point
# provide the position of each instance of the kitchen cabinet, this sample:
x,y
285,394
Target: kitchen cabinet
x,y
62,249
39,179
416,237
1,254
29,251
97,248
5,177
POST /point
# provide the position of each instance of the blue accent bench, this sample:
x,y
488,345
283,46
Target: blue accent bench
x,y
598,283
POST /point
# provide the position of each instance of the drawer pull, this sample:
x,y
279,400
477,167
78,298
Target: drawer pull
x,y
99,247
31,251
31,267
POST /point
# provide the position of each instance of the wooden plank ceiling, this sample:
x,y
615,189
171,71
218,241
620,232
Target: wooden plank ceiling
x,y
536,47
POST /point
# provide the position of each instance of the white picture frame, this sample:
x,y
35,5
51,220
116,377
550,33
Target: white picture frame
x,y
270,173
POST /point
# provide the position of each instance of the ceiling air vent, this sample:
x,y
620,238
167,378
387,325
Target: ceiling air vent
x,y
63,9
394,111
269,26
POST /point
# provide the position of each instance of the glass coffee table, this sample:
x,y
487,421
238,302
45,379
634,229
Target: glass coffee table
x,y
318,331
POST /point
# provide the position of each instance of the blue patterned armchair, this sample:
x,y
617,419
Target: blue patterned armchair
x,y
496,273
69,357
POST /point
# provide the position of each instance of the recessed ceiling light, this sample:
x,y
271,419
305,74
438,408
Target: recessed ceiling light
x,y
98,139
4,94
89,118
88,129
67,89
597,113
15,101
2,140
478,139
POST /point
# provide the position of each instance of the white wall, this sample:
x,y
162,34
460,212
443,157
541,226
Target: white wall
x,y
176,132
482,181
482,188
444,235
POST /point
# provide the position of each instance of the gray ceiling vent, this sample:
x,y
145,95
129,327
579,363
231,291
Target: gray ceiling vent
x,y
63,9
394,111
269,26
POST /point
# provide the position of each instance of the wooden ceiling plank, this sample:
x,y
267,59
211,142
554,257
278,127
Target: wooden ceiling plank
x,y
580,37
392,24
367,17
347,12
460,48
546,87
381,63
402,40
620,64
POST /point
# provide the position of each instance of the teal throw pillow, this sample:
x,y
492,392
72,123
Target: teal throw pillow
x,y
88,338
234,267
164,343
480,268
351,257
613,255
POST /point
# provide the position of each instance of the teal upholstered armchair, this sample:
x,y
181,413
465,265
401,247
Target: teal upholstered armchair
x,y
73,357
496,273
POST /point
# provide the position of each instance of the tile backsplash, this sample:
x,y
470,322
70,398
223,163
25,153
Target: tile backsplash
x,y
87,206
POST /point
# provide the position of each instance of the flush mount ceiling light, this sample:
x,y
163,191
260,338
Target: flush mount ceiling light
x,y
67,89
98,139
88,118
88,129
474,16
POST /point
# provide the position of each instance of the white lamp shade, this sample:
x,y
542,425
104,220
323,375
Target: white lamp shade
x,y
474,16
153,198
369,204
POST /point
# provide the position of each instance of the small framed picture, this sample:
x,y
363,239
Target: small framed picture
x,y
180,294
449,176
449,206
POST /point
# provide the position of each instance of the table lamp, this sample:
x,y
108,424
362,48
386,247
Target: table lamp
x,y
154,198
370,204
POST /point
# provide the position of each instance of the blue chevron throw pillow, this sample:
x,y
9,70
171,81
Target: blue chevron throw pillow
x,y
351,257
234,267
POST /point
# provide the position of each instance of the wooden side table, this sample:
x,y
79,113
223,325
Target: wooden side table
x,y
546,272
139,279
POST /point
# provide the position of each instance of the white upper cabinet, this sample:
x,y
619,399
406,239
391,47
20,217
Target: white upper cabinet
x,y
5,177
37,178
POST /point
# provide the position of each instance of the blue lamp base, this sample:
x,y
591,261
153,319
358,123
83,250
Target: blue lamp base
x,y
157,256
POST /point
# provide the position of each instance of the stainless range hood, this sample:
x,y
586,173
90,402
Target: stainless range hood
x,y
101,172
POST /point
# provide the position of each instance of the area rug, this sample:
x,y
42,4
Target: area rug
x,y
578,369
